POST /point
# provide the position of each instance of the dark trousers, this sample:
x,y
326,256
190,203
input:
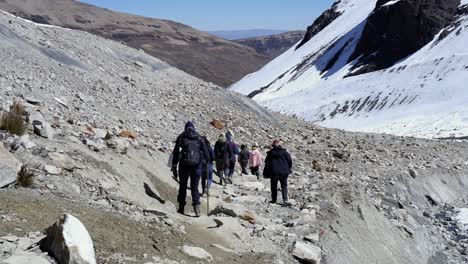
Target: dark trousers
x,y
192,173
232,167
244,166
221,169
255,171
207,176
283,179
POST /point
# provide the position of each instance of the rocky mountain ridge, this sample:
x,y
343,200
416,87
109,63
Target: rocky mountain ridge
x,y
273,45
102,118
346,76
197,53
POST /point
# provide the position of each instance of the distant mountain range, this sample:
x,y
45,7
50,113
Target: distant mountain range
x,y
197,53
273,45
243,34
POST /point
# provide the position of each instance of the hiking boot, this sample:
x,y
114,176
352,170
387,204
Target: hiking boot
x,y
181,209
272,202
287,204
222,181
229,180
196,210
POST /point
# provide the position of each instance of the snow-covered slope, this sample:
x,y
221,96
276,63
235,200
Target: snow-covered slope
x,y
422,95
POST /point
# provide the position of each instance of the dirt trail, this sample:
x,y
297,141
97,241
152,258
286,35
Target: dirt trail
x,y
112,233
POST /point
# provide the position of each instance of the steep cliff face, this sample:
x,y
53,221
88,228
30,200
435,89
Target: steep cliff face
x,y
397,29
320,23
273,45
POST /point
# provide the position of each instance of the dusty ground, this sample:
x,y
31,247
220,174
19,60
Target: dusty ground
x,y
111,233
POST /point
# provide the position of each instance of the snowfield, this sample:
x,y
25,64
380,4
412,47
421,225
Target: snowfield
x,y
423,95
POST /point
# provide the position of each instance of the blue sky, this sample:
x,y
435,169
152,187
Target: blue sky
x,y
225,14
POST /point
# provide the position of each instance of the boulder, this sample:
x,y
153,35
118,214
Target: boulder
x,y
119,144
307,253
69,242
62,161
197,252
9,167
36,116
100,133
43,129
50,169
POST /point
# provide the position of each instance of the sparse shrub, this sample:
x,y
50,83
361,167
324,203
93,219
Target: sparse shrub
x,y
13,121
18,108
26,175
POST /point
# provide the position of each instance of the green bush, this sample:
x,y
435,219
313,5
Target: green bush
x,y
26,175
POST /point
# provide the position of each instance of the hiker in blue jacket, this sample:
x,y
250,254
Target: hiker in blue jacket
x,y
188,153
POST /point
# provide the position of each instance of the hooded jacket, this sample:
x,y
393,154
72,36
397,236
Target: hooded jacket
x,y
277,163
256,158
191,134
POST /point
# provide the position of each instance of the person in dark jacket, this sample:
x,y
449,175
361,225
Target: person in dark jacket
x,y
278,165
188,153
207,167
244,157
221,159
233,151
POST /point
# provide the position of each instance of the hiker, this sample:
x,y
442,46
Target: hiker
x,y
233,150
244,157
278,165
207,167
221,159
188,153
255,161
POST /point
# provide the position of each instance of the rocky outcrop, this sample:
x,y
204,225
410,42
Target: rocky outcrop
x,y
273,45
397,29
325,19
69,242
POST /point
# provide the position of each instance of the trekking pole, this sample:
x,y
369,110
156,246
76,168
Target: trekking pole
x,y
207,190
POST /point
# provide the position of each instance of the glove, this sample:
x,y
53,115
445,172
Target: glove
x,y
174,172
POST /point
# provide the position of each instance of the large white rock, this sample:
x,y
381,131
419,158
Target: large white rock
x,y
9,167
69,242
308,253
197,252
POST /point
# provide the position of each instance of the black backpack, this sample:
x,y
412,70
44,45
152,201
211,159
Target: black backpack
x,y
191,155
